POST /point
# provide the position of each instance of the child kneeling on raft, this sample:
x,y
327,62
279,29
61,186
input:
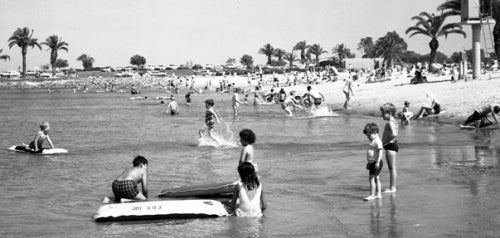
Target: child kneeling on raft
x,y
40,137
248,197
125,185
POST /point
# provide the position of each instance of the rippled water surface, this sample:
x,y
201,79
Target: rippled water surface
x,y
312,169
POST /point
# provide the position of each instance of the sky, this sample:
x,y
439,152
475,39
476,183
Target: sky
x,y
206,31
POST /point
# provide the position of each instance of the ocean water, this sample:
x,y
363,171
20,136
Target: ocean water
x,y
312,170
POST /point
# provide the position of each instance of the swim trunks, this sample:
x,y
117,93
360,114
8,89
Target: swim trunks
x,y
437,108
124,189
372,169
392,146
317,101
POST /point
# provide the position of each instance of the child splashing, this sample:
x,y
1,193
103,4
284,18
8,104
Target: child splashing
x,y
212,118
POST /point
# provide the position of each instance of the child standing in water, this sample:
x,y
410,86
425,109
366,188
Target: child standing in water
x,y
210,117
374,157
236,102
390,142
40,137
248,197
406,115
125,185
247,139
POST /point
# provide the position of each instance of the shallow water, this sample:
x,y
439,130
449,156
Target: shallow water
x,y
312,170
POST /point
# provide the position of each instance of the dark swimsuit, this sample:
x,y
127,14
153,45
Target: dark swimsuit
x,y
209,119
392,146
317,101
373,170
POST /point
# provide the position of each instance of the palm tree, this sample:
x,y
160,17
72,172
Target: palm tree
x,y
24,39
302,46
434,27
4,57
268,51
55,44
391,47
454,7
342,51
279,53
290,57
316,50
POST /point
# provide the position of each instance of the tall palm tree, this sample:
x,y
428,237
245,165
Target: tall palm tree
x,y
24,39
434,27
391,47
302,46
4,57
279,53
268,51
55,44
290,57
316,50
342,51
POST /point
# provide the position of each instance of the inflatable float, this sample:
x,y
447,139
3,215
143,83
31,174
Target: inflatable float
x,y
204,190
167,209
23,149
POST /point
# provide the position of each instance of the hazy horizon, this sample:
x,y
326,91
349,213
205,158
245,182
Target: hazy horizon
x,y
206,32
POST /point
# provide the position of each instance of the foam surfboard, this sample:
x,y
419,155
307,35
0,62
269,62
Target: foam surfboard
x,y
212,189
166,209
22,149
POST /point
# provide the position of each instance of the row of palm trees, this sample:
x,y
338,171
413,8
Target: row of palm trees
x,y
305,50
23,38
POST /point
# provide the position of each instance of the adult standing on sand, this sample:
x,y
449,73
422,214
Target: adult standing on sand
x,y
348,92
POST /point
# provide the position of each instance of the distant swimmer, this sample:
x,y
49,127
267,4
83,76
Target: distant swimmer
x,y
40,137
313,97
483,116
248,197
236,102
125,185
348,92
290,103
173,108
211,118
188,98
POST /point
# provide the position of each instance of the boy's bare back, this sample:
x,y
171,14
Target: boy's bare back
x,y
135,173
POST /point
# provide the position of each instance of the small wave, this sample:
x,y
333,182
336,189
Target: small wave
x,y
322,112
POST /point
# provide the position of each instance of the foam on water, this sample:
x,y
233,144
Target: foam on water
x,y
218,139
321,112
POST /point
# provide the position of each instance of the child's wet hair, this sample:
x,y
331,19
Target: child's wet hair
x,y
248,136
248,176
496,109
138,160
44,125
210,102
388,108
407,103
370,128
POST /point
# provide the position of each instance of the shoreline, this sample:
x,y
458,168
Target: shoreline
x,y
457,99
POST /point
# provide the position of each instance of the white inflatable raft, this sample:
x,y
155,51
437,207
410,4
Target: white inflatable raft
x,y
166,209
21,149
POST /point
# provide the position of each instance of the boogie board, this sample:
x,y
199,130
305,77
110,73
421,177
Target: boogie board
x,y
467,127
205,190
22,149
166,209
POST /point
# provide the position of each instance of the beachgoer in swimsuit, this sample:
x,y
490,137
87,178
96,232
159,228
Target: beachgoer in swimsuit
x,y
348,92
483,116
390,142
125,185
375,163
433,108
317,97
40,137
248,197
